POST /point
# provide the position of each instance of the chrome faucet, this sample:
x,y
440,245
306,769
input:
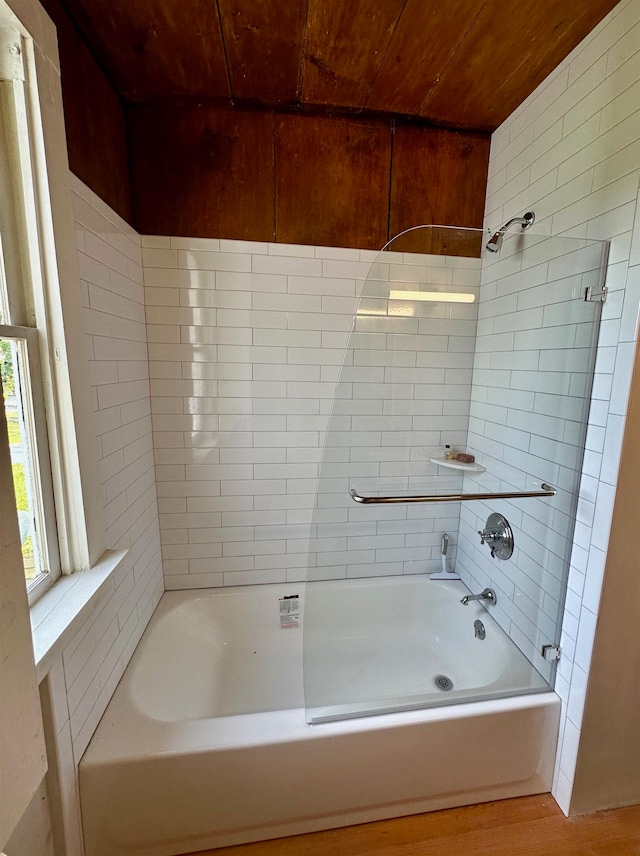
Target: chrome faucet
x,y
488,594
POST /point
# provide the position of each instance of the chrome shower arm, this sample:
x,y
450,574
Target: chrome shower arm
x,y
525,222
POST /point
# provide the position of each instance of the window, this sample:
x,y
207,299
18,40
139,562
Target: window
x,y
20,363
48,397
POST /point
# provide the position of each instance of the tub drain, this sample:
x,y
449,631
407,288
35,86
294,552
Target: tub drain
x,y
443,683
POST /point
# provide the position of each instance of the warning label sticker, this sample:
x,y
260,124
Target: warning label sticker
x,y
289,611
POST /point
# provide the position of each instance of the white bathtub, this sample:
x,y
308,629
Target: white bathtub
x,y
205,743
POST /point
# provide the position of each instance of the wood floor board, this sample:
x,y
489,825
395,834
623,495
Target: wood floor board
x,y
527,826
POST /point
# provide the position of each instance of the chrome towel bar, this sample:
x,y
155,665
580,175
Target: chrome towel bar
x,y
547,490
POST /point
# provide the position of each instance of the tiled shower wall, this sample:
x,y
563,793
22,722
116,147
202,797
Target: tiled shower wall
x,y
82,679
571,153
246,342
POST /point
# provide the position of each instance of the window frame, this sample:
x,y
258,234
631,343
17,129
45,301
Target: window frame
x,y
39,180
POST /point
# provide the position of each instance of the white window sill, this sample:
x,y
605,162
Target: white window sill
x,y
58,614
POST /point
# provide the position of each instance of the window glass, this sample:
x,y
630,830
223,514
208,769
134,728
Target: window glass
x,y
25,464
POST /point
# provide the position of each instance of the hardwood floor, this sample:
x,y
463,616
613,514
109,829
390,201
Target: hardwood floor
x,y
527,826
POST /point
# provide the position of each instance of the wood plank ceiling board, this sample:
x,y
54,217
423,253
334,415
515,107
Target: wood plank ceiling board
x,y
466,63
263,43
507,53
332,181
157,49
438,177
345,44
203,171
424,41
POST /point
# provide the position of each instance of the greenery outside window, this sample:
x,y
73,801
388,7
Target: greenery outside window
x,y
24,412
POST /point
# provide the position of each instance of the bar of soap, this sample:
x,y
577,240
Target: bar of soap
x,y
464,458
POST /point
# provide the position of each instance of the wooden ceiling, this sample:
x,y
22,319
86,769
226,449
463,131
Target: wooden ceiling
x,y
459,63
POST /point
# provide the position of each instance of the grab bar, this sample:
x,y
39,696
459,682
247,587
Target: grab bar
x,y
547,490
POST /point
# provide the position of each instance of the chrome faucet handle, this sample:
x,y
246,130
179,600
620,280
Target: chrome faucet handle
x,y
490,538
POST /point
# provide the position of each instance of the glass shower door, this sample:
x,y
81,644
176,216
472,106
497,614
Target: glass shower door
x,y
422,370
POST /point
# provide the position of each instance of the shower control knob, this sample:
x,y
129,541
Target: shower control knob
x,y
487,537
498,536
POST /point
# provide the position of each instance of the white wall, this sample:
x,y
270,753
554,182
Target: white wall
x,y
571,153
246,341
83,677
33,835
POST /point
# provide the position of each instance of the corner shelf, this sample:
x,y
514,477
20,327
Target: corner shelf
x,y
458,465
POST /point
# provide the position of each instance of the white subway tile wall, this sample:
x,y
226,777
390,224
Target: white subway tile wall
x,y
246,344
82,680
571,153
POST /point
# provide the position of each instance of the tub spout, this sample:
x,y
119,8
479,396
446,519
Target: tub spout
x,y
487,595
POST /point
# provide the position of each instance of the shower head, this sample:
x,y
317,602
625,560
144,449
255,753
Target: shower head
x,y
494,244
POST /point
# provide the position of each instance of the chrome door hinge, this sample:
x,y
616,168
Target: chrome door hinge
x,y
595,294
551,652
